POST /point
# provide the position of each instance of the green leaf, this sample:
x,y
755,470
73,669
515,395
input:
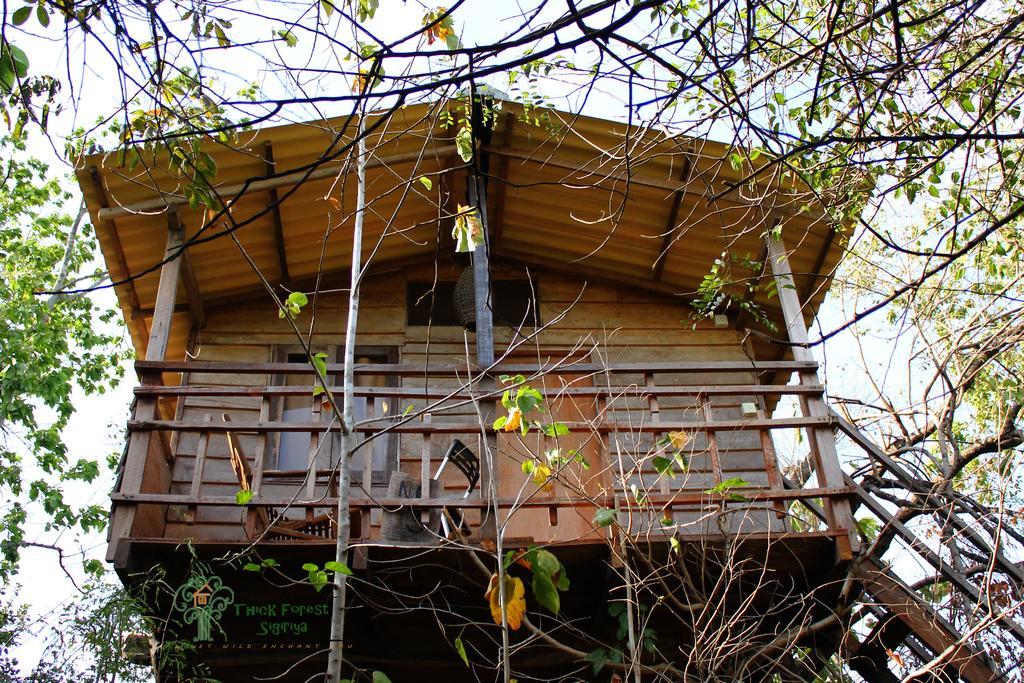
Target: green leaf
x,y
426,182
379,677
252,567
464,143
328,7
546,592
598,659
222,38
604,517
21,15
545,561
339,567
13,65
310,567
555,429
42,15
320,362
243,497
724,487
288,37
663,466
461,649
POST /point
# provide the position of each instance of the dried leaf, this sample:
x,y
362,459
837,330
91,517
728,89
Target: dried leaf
x,y
678,440
515,597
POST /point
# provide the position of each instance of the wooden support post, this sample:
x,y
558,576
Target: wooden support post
x,y
123,516
482,279
196,308
499,177
830,474
484,342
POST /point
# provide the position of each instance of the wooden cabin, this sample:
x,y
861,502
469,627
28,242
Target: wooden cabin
x,y
582,290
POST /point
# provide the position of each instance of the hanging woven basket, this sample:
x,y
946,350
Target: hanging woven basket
x,y
465,299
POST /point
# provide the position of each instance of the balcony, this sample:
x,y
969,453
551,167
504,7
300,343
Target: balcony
x,y
675,450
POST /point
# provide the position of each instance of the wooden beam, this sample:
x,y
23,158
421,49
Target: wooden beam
x,y
443,392
166,294
681,498
499,188
826,457
232,191
413,427
673,216
819,263
584,271
148,367
117,255
275,213
329,280
196,307
600,176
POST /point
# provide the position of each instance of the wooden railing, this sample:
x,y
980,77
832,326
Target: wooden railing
x,y
638,399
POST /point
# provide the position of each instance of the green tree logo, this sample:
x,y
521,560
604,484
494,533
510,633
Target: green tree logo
x,y
202,600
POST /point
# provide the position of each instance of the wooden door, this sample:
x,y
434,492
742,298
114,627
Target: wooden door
x,y
568,522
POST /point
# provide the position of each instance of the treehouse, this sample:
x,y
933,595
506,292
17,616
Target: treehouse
x,y
606,377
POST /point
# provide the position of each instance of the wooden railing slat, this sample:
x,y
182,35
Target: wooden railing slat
x,y
408,370
473,427
653,502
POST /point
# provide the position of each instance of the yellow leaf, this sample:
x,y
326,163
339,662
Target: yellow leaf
x,y
515,601
541,474
515,419
678,440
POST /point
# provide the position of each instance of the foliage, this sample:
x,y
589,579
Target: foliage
x,y
51,346
87,646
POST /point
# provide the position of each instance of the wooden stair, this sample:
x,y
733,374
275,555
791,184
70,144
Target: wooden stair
x,y
903,617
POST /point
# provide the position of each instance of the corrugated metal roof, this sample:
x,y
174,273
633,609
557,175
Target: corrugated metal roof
x,y
578,193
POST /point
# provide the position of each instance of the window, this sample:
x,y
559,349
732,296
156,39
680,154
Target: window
x,y
514,303
293,447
